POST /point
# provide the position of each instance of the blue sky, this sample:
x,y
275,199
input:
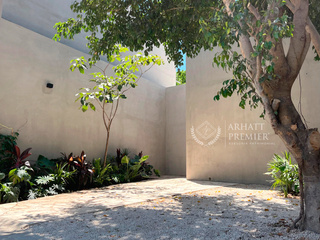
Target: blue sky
x,y
183,67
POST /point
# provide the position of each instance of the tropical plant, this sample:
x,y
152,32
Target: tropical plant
x,y
7,142
44,186
131,170
101,175
51,184
284,173
18,185
8,192
18,158
61,175
146,169
84,171
68,160
18,175
121,154
46,163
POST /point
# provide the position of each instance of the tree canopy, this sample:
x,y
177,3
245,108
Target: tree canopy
x,y
181,77
186,27
177,24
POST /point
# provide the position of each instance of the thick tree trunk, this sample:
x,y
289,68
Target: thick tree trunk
x,y
311,220
304,145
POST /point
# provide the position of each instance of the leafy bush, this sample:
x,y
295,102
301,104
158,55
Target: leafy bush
x,y
51,184
8,193
20,180
6,148
101,175
284,173
83,169
17,185
130,170
18,158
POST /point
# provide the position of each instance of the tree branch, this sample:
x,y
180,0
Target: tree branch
x,y
299,39
263,96
245,43
315,36
254,11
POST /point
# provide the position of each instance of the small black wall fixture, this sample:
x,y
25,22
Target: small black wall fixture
x,y
49,85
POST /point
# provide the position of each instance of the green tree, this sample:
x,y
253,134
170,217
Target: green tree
x,y
108,90
263,73
181,77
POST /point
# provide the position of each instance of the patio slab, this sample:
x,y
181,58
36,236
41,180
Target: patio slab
x,y
15,217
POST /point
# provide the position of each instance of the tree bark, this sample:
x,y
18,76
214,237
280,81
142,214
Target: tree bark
x,y
311,220
106,150
304,145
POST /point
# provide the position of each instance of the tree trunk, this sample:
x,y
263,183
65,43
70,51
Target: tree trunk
x,y
311,220
304,145
106,150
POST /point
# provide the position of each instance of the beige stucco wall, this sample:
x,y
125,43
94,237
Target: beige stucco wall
x,y
176,130
236,163
51,122
1,4
41,15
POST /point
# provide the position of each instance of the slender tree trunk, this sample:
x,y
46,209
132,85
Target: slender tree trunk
x,y
106,149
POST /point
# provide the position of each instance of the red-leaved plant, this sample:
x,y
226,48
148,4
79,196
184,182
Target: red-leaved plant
x,y
19,159
83,169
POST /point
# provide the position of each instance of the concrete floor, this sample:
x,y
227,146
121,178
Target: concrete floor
x,y
15,218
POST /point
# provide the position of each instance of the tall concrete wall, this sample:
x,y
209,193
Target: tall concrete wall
x,y
1,4
222,127
176,130
41,15
50,122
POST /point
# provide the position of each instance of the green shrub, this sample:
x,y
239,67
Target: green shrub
x,y
18,183
101,175
83,170
21,181
51,184
126,169
7,143
284,173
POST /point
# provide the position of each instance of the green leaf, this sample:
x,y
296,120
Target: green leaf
x,y
84,108
144,158
2,176
92,106
157,172
125,159
81,69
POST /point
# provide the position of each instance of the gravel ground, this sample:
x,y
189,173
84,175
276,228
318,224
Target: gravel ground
x,y
237,212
